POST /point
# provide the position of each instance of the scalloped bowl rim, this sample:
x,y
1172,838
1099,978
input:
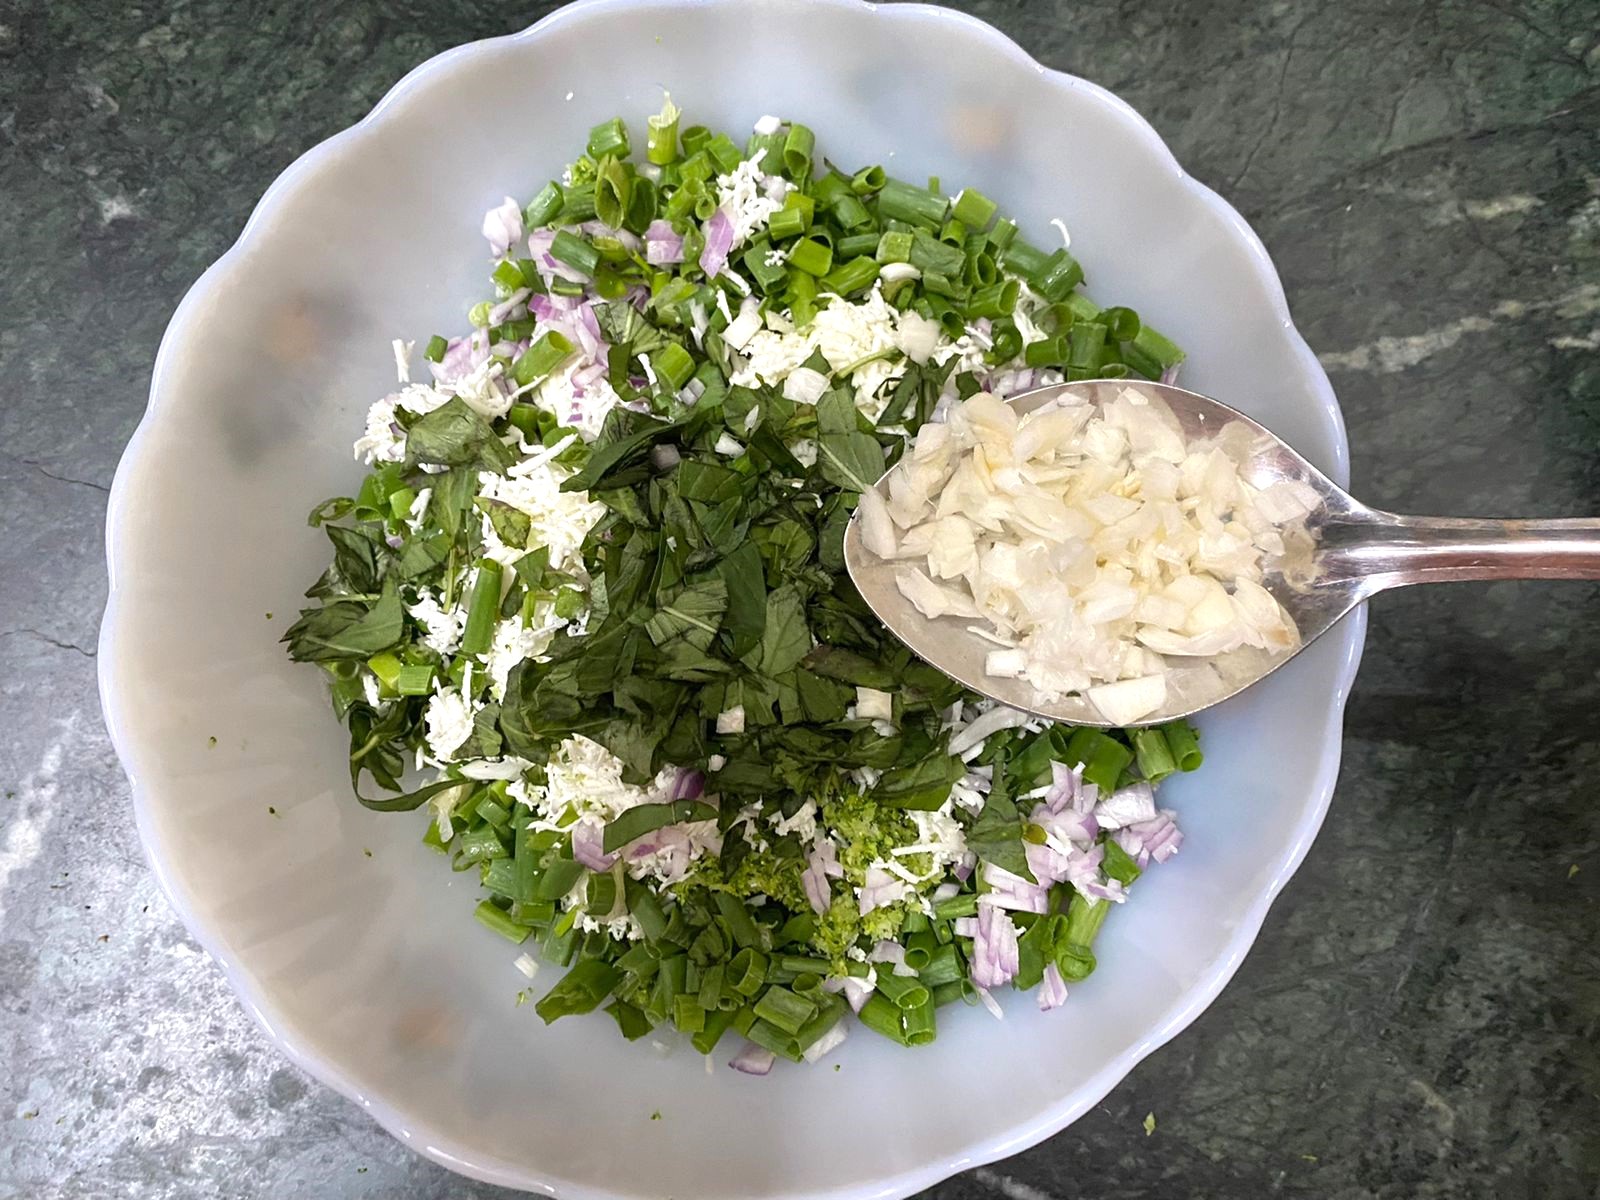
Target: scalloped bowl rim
x,y
413,1131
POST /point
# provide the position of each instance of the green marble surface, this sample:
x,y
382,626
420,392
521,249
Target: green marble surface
x,y
1420,1016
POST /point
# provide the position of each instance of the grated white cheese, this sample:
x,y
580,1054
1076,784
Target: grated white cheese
x,y
442,627
864,336
583,783
383,441
482,390
582,779
449,720
745,196
418,511
767,126
402,359
559,520
969,791
939,835
731,720
803,823
586,413
490,769
513,642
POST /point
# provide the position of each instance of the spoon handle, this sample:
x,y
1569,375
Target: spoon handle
x,y
1386,550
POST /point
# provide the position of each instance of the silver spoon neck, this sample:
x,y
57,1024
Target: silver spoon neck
x,y
1388,550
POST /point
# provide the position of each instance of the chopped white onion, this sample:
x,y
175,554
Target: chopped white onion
x,y
1090,541
873,705
804,386
877,527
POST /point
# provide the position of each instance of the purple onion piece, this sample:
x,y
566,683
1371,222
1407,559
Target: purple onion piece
x,y
753,1060
719,243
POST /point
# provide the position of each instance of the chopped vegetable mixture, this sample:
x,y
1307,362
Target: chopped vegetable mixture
x,y
592,591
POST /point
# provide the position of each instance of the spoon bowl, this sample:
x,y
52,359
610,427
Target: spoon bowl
x,y
1356,552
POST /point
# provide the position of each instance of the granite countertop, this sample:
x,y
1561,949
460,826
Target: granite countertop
x,y
1420,1015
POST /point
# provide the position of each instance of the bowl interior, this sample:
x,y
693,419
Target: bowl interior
x,y
370,968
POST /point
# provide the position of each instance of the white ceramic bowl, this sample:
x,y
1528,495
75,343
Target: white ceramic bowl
x,y
370,971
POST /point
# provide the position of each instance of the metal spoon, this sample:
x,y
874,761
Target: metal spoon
x,y
1357,552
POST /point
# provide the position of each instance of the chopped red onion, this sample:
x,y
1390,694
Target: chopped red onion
x,y
892,953
881,888
1009,383
552,309
719,243
690,783
1013,891
995,956
753,1060
507,309
1048,865
590,375
587,846
1127,806
822,863
965,926
594,229
664,458
991,1004
826,855
816,889
1170,375
1108,889
1066,789
1158,838
502,225
855,990
539,242
662,244
461,357
828,1042
1066,826
1052,989
586,328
